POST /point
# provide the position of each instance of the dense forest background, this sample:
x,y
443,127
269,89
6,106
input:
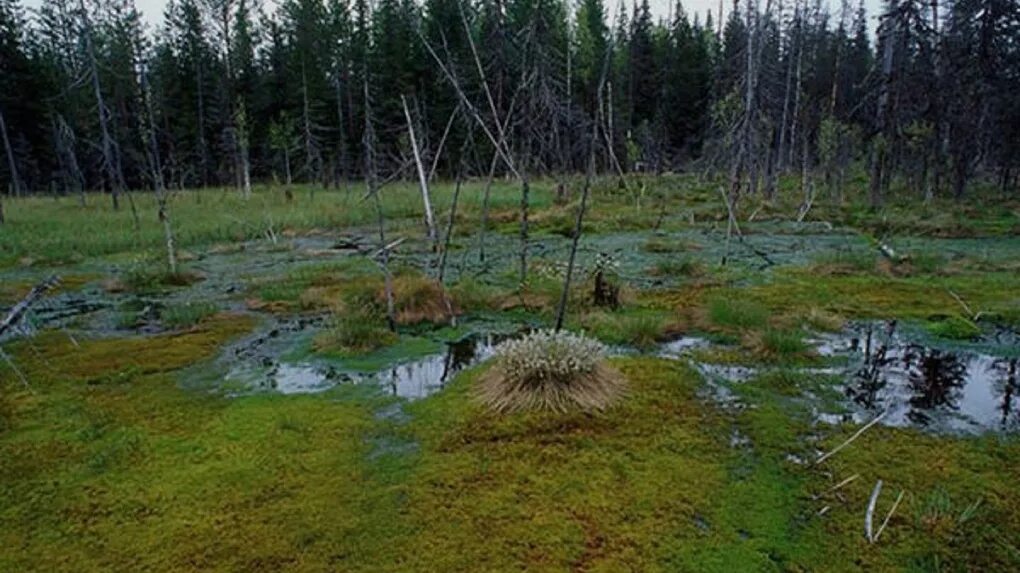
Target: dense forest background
x,y
225,92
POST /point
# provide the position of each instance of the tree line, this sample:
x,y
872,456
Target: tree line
x,y
225,92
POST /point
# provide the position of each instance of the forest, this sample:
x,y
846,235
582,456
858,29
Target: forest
x,y
229,91
509,285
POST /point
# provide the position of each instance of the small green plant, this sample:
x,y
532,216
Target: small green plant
x,y
550,370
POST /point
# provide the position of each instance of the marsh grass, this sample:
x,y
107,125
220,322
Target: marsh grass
x,y
186,314
737,313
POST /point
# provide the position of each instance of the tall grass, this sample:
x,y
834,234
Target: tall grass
x,y
48,230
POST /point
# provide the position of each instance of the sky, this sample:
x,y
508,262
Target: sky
x,y
153,9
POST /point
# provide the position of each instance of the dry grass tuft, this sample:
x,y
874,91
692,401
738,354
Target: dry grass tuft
x,y
417,299
548,370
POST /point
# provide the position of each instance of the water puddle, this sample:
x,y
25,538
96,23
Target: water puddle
x,y
927,386
254,365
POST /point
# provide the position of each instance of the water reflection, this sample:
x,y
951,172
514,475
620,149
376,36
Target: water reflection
x,y
419,378
259,370
928,387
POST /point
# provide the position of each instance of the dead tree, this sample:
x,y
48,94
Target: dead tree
x,y
64,141
313,159
423,181
242,141
108,146
18,311
156,167
12,165
373,192
561,310
887,33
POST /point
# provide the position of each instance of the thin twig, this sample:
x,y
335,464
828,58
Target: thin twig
x,y
839,485
888,516
856,435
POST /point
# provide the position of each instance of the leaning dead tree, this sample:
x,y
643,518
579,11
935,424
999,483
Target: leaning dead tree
x,y
108,146
498,140
561,310
17,312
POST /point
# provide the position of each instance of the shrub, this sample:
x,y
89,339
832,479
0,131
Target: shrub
x,y
358,331
550,370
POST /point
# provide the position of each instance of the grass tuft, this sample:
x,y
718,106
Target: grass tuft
x,y
550,370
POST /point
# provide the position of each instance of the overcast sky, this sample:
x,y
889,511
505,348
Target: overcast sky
x,y
153,9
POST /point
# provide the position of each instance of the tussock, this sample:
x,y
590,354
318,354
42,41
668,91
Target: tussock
x,y
548,370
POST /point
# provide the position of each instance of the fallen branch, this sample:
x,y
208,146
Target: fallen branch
x,y
388,248
839,485
888,516
870,514
19,310
856,435
973,316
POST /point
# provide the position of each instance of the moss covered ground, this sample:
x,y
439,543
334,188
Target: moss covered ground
x,y
109,461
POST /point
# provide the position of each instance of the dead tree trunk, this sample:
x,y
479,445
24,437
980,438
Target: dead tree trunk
x,y
423,182
879,146
19,310
561,310
64,140
12,165
156,166
373,191
109,148
244,163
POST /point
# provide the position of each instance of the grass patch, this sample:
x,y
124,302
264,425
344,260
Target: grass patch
x,y
736,313
186,314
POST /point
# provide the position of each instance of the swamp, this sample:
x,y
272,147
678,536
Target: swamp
x,y
832,391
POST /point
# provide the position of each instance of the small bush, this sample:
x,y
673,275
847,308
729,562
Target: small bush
x,y
354,332
549,370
